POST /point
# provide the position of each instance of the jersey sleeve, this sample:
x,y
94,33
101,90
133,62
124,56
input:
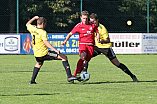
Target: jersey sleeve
x,y
103,32
31,28
74,30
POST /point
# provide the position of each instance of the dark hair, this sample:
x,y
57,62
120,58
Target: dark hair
x,y
94,16
84,13
41,20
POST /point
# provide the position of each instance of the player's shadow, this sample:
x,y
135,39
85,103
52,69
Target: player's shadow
x,y
117,82
22,71
31,94
15,71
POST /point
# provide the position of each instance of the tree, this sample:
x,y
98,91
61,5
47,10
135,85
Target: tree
x,y
61,14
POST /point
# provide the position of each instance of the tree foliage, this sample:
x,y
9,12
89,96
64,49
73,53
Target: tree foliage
x,y
61,14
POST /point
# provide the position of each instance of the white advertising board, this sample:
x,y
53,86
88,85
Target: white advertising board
x,y
126,43
10,44
149,43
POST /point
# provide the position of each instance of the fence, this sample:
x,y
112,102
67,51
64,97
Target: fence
x,y
62,15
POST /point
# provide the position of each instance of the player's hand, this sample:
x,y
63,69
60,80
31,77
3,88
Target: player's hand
x,y
63,44
58,52
36,17
98,39
102,41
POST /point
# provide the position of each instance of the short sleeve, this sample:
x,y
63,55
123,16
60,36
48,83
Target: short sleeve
x,y
74,30
31,28
104,32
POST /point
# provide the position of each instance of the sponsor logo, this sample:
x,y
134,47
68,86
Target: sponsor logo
x,y
125,44
11,43
90,28
27,44
149,37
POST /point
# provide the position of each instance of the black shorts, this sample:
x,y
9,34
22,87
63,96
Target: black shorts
x,y
51,55
108,52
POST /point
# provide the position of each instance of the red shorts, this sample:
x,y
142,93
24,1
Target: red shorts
x,y
88,49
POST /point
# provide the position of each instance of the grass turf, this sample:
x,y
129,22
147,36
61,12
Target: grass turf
x,y
107,85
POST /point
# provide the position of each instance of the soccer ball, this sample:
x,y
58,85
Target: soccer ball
x,y
85,76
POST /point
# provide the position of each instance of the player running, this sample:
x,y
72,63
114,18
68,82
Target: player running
x,y
104,47
40,48
86,30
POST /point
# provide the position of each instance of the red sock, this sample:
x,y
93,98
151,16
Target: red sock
x,y
79,67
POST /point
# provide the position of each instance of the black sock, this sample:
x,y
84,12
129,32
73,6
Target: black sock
x,y
35,72
85,67
67,68
125,69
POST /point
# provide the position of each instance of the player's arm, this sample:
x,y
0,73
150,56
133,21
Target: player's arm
x,y
31,20
98,37
107,40
105,36
50,46
67,38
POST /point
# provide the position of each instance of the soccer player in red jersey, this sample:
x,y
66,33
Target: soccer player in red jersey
x,y
86,30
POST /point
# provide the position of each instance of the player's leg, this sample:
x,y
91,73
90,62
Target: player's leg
x,y
65,63
52,55
85,66
96,52
80,62
124,68
66,66
35,71
121,66
89,51
112,57
82,54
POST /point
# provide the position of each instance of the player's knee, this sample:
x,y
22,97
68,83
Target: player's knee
x,y
116,63
64,57
83,56
38,65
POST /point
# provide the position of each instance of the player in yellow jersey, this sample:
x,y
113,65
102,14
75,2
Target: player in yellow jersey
x,y
40,48
104,47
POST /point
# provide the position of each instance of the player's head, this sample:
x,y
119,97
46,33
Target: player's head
x,y
94,17
41,22
84,17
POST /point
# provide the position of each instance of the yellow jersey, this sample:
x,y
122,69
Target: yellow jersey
x,y
38,37
103,35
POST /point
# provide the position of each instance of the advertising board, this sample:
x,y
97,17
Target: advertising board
x,y
10,44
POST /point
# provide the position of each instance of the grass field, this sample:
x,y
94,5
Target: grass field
x,y
107,85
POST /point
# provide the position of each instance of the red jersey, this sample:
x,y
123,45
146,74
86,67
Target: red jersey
x,y
86,32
